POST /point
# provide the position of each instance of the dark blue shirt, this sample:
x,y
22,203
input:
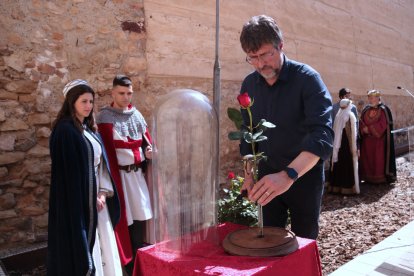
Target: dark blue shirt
x,y
300,106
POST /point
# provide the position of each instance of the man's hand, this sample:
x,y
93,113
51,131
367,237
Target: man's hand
x,y
148,152
269,187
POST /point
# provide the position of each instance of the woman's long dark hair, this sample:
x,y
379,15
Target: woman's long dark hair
x,y
68,108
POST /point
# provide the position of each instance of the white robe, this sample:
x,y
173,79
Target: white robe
x,y
137,199
342,117
105,251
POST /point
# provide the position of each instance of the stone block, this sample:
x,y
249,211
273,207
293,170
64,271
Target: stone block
x,y
43,132
13,183
38,151
15,61
8,214
38,119
26,200
41,221
4,95
29,184
134,66
33,210
12,124
17,236
27,98
7,201
25,144
11,157
3,172
37,166
57,36
7,141
39,190
46,69
44,142
55,9
22,86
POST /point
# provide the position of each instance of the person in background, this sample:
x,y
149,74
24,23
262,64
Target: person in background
x,y
128,143
83,203
292,96
344,93
344,176
377,160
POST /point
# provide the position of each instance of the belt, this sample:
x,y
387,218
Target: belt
x,y
131,167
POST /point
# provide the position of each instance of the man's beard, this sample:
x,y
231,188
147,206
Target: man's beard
x,y
274,73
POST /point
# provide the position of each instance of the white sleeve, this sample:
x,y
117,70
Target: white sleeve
x,y
105,183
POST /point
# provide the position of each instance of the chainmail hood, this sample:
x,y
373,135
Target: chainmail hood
x,y
128,123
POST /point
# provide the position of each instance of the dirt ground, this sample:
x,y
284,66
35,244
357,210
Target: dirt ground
x,y
350,225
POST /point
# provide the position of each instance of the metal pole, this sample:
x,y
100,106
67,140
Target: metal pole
x,y
216,90
216,78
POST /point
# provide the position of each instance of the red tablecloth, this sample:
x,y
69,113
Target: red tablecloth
x,y
209,259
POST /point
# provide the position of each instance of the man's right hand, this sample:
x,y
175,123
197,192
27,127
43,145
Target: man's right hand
x,y
148,152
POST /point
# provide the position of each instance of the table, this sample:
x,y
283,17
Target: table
x,y
210,259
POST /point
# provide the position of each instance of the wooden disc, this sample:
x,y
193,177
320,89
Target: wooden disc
x,y
276,241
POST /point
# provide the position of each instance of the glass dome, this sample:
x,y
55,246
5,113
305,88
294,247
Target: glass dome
x,y
184,170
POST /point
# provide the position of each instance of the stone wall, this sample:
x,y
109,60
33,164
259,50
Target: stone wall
x,y
164,45
43,45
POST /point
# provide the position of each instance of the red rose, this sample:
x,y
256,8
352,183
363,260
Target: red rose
x,y
244,100
231,175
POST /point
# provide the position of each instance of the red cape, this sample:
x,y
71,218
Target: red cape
x,y
121,230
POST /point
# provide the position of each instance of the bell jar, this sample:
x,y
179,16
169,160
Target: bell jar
x,y
184,171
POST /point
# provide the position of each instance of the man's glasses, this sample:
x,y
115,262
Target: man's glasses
x,y
263,57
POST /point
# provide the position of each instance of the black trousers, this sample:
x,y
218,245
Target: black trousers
x,y
137,234
302,200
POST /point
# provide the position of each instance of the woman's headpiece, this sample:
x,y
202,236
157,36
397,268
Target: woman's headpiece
x,y
72,84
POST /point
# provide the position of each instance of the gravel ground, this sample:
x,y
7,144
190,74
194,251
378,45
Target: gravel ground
x,y
350,225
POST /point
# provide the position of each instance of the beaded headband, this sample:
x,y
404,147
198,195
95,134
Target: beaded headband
x,y
72,84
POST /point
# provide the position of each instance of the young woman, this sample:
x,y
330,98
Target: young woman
x,y
83,202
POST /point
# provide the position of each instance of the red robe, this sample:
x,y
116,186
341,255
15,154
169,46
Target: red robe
x,y
373,157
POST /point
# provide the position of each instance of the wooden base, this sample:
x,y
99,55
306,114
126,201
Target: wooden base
x,y
247,242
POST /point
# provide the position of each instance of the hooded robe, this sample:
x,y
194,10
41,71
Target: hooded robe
x,y
72,203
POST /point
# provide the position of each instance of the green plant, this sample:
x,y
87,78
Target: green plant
x,y
233,207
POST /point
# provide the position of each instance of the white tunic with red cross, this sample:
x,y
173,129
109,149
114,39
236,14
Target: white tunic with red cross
x,y
123,135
